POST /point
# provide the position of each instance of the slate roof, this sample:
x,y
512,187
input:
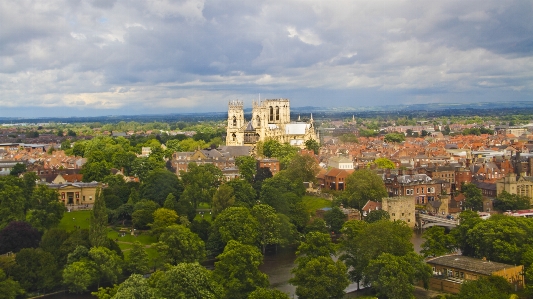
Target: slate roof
x,y
469,264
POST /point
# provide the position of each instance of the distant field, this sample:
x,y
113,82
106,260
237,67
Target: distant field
x,y
314,203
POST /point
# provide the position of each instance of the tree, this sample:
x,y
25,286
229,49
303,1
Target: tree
x,y
377,215
473,195
394,276
437,242
171,203
349,138
335,218
237,270
320,278
17,235
188,280
36,270
52,242
107,264
247,167
10,289
317,225
510,202
13,202
237,223
312,145
163,218
263,293
47,211
177,244
78,276
98,226
361,243
245,195
384,163
467,221
95,171
143,213
201,183
18,169
280,192
394,137
492,287
137,261
136,286
159,184
303,168
269,225
223,198
364,185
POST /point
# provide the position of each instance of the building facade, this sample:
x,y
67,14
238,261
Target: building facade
x,y
271,119
400,208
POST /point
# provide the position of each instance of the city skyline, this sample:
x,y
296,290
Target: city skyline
x,y
92,58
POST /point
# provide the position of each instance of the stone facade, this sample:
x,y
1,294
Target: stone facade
x,y
400,208
75,194
270,120
516,185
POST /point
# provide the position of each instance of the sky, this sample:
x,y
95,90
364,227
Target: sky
x,y
126,57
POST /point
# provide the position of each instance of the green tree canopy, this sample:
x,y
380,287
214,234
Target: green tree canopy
x,y
237,270
188,281
98,226
510,202
437,242
384,163
364,185
394,276
247,167
201,183
473,195
159,184
312,145
394,137
177,244
137,261
320,278
269,225
223,198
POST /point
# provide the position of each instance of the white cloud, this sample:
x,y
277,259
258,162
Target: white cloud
x,y
193,55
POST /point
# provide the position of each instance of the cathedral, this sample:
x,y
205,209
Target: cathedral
x,y
271,119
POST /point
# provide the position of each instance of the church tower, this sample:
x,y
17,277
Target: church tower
x,y
235,123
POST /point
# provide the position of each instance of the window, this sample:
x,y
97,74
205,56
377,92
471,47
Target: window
x,y
234,121
393,214
461,275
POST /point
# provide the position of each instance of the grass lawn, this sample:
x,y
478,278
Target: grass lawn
x,y
75,218
207,217
204,205
312,203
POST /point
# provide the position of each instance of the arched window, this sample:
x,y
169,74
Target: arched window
x,y
258,121
271,113
234,121
234,136
277,113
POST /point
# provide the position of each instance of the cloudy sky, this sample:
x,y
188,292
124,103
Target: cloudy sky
x,y
116,57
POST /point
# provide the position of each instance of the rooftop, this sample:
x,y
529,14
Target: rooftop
x,y
469,264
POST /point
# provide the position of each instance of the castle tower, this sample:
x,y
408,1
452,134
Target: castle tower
x,y
235,123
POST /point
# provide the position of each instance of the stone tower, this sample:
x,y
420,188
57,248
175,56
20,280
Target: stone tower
x,y
235,123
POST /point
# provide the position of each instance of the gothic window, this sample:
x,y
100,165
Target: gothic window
x,y
271,113
277,113
258,121
234,121
234,136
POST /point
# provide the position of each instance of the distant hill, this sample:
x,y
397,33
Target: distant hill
x,y
418,110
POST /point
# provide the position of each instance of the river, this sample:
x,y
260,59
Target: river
x,y
277,267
